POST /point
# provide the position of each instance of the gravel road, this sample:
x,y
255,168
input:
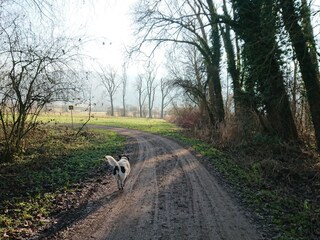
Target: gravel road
x,y
169,194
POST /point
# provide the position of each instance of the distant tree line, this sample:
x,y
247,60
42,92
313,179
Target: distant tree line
x,y
146,85
270,52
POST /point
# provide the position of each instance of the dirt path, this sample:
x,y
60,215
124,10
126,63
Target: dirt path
x,y
168,195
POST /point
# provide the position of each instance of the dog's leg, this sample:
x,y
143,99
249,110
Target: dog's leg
x,y
124,182
119,184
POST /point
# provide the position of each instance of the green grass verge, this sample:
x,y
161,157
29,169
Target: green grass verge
x,y
292,216
30,185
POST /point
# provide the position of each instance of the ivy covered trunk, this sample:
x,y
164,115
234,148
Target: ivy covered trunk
x,y
264,83
308,65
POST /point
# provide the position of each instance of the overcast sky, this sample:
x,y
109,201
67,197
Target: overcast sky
x,y
107,26
105,23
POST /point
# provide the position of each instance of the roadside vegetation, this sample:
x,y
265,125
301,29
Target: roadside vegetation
x,y
42,182
279,182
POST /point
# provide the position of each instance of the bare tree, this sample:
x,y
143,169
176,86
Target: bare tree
x,y
190,75
191,22
150,79
88,102
34,72
111,83
142,96
165,90
124,79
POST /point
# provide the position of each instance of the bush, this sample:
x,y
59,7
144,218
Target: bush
x,y
187,118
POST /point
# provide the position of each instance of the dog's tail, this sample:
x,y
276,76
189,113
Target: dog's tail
x,y
112,161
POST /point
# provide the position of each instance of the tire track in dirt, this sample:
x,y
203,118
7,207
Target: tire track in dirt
x,y
168,195
140,214
214,213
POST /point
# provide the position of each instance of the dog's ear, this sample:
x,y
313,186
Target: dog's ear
x,y
123,155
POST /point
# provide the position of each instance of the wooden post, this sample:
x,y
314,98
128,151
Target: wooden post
x,y
71,108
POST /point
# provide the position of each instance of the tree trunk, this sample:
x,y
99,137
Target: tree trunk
x,y
150,113
308,67
233,71
162,106
278,105
216,99
124,105
111,105
150,104
256,26
140,105
213,67
308,33
161,113
294,90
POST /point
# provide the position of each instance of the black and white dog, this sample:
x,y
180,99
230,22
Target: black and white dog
x,y
121,169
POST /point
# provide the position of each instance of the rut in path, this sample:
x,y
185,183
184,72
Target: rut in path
x,y
168,195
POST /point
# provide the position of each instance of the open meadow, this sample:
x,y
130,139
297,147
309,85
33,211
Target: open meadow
x,y
153,125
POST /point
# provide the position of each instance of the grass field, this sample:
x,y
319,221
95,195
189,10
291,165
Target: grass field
x,y
158,126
